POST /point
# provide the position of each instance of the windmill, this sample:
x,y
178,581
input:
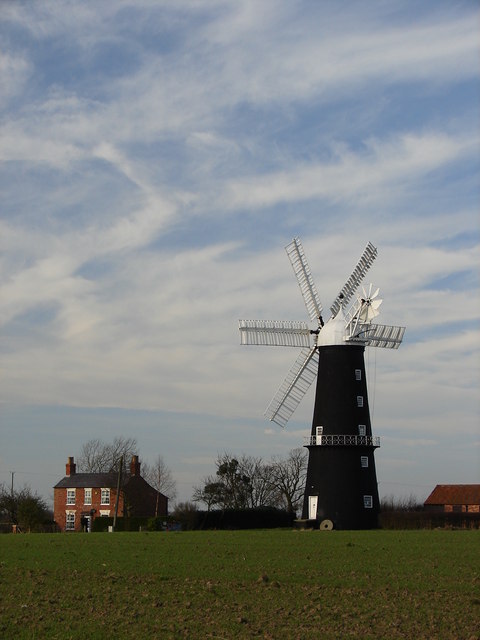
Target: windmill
x,y
341,485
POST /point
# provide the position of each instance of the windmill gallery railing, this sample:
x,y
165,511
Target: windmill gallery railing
x,y
342,440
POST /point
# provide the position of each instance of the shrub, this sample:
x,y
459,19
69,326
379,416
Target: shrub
x,y
260,518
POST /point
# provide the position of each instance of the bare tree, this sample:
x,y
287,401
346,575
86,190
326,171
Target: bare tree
x,y
99,457
261,491
186,514
404,503
287,476
159,476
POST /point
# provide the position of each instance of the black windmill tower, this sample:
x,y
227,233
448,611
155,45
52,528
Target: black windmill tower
x,y
341,486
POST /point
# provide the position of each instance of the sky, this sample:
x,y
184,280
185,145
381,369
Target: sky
x,y
157,157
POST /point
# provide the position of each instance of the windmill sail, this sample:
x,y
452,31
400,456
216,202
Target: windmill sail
x,y
378,335
304,276
351,285
294,387
278,333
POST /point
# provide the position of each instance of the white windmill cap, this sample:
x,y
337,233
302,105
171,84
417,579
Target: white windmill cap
x,y
334,331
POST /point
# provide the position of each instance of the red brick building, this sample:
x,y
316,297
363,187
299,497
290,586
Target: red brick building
x,y
79,498
454,498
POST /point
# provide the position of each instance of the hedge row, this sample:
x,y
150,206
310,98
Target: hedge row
x,y
428,520
131,524
261,518
270,518
264,518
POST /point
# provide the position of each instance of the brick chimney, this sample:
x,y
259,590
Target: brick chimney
x,y
135,466
71,466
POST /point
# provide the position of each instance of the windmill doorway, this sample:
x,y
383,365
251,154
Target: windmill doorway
x,y
312,507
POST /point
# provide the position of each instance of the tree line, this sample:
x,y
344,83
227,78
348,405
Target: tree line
x,y
248,482
243,482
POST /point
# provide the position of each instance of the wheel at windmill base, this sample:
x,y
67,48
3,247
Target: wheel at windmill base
x,y
326,525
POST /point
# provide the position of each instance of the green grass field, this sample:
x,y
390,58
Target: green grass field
x,y
241,584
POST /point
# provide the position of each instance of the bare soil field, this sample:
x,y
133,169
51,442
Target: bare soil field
x,y
271,584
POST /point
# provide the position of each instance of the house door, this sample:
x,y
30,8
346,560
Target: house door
x,y
312,507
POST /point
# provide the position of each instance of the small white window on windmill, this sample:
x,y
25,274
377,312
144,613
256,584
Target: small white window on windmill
x,y
364,462
362,429
358,374
359,401
319,431
368,502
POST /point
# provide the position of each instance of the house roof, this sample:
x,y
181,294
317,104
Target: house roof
x,y
454,494
99,480
79,480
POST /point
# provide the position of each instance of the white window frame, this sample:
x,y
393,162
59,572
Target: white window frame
x,y
364,462
358,374
359,401
362,429
87,496
368,502
70,521
105,495
71,496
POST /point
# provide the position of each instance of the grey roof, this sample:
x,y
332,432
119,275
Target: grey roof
x,y
99,480
78,480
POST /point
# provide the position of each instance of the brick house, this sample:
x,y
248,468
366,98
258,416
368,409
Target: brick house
x,y
79,498
454,498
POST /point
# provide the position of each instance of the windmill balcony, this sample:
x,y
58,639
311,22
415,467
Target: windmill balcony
x,y
342,440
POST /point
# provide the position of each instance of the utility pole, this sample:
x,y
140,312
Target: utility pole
x,y
11,490
117,498
158,493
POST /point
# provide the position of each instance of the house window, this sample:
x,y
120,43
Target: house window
x,y
104,513
364,461
87,496
358,374
368,502
70,496
70,521
105,497
362,429
359,401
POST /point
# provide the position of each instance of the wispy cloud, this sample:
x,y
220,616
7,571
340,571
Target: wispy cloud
x,y
372,175
156,158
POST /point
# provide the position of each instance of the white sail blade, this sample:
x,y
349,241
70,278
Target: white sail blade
x,y
379,335
294,387
351,285
278,333
369,310
304,276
